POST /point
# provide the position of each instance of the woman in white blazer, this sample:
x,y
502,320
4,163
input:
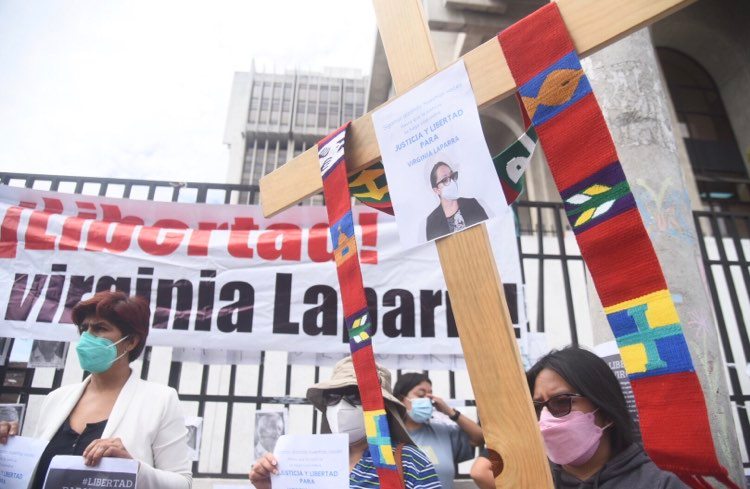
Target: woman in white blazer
x,y
113,413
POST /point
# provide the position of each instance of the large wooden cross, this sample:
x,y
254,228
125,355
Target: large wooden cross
x,y
476,292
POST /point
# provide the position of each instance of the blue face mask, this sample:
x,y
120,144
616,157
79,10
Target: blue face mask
x,y
421,409
97,354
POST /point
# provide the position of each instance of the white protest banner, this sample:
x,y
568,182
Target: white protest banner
x,y
222,276
312,461
18,459
69,471
440,172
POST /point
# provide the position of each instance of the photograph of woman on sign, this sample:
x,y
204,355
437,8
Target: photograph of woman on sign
x,y
453,213
48,354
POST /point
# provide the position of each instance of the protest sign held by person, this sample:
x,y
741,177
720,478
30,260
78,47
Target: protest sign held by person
x,y
113,413
339,401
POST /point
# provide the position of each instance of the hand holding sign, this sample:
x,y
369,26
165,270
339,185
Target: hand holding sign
x,y
19,457
260,474
67,471
107,447
7,428
310,461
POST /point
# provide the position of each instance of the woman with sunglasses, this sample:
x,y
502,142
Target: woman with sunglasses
x,y
586,427
339,401
453,213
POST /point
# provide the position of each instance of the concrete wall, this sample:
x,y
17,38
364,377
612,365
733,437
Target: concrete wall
x,y
234,130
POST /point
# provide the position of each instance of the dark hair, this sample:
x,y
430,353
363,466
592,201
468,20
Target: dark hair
x,y
433,172
130,314
406,382
591,377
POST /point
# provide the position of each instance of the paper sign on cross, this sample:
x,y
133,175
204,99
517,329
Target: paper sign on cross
x,y
479,306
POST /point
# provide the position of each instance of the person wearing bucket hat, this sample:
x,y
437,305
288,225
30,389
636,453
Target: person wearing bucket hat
x,y
338,399
445,443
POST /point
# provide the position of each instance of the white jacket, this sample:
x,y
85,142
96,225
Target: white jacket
x,y
146,417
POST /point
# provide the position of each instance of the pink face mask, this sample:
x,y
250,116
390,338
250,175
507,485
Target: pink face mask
x,y
571,439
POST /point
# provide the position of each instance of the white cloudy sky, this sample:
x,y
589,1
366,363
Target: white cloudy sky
x,y
140,89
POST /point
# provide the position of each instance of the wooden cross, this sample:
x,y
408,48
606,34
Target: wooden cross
x,y
481,313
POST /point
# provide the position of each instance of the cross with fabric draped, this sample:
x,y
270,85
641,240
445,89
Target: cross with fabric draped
x,y
539,59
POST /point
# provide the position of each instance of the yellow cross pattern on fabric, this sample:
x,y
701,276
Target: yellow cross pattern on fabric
x,y
661,310
375,437
557,88
371,426
386,455
654,318
634,358
367,178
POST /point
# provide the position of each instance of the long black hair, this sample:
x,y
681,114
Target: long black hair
x,y
592,378
406,382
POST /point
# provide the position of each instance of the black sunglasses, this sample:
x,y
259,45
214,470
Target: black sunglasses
x,y
558,406
444,181
333,398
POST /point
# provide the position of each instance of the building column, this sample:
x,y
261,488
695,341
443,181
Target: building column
x,y
627,82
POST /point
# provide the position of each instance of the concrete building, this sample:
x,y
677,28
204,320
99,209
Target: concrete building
x,y
274,117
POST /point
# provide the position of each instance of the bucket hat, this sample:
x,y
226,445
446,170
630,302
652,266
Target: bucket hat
x,y
344,376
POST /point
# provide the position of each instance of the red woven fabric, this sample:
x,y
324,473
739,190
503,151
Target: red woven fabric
x,y
621,259
534,43
571,158
352,296
340,220
336,205
614,243
672,395
369,374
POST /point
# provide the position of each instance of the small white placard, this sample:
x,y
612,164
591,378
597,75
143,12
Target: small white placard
x,y
269,427
611,354
320,461
439,169
194,425
48,354
67,471
18,459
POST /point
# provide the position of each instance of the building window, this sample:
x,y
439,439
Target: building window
x,y
703,123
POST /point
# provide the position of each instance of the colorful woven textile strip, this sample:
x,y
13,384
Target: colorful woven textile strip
x,y
371,188
512,163
338,205
614,243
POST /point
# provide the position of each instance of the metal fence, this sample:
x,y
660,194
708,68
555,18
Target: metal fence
x,y
556,301
725,246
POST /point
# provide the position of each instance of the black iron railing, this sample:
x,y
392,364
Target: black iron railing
x,y
543,250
